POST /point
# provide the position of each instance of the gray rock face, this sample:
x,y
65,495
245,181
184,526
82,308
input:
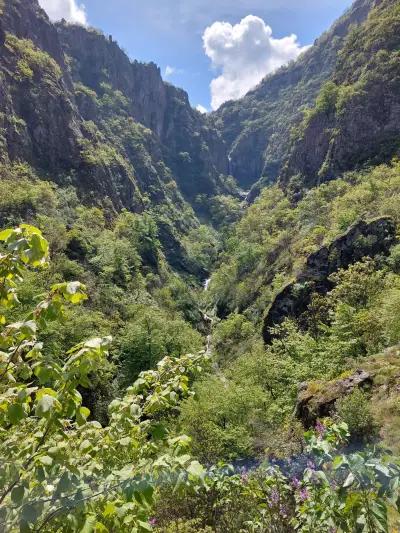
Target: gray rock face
x,y
257,128
159,106
27,20
363,239
362,124
78,111
314,403
44,118
96,60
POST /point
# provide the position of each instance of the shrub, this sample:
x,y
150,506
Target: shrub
x,y
60,471
355,411
32,60
394,259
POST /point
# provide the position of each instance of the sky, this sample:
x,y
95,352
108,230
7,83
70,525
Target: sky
x,y
214,49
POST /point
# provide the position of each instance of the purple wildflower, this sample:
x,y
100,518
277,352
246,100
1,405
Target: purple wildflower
x,y
153,522
304,495
244,478
283,511
273,498
295,483
311,464
320,428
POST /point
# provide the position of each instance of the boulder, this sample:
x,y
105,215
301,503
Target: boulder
x,y
363,239
317,400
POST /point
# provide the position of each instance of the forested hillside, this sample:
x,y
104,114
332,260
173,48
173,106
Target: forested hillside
x,y
126,245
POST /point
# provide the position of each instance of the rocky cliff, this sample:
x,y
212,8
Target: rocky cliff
x,y
60,86
377,376
191,149
257,127
356,119
78,111
363,239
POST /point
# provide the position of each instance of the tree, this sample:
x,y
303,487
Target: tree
x,y
59,469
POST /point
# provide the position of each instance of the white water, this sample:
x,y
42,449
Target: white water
x,y
209,321
207,284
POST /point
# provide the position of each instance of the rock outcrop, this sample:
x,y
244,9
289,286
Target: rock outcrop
x,y
48,107
363,239
317,400
379,375
77,110
192,149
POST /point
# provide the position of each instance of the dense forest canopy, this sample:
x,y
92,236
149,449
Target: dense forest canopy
x,y
176,355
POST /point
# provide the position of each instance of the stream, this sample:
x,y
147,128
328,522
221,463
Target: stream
x,y
208,321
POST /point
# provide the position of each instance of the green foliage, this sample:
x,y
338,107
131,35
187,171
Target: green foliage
x,y
224,210
219,419
151,335
349,493
26,196
232,337
59,469
120,259
394,259
355,411
72,472
273,238
367,61
326,101
203,246
32,61
62,470
365,43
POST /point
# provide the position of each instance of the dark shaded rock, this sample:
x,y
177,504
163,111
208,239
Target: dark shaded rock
x,y
363,239
176,254
317,400
82,113
2,34
190,146
27,20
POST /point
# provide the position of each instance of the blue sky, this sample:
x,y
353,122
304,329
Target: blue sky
x,y
170,33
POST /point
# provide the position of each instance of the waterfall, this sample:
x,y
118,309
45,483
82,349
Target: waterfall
x,y
209,321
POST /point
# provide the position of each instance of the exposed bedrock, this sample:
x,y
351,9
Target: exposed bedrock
x,y
363,239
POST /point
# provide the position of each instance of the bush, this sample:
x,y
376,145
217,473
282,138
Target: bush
x,y
232,337
394,259
355,411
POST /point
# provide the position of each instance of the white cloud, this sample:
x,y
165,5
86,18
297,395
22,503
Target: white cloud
x,y
244,53
172,71
201,109
169,71
65,9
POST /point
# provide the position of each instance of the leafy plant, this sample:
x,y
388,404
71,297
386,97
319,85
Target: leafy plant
x,y
59,468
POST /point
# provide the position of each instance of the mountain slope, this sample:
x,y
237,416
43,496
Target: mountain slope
x,y
257,127
79,112
356,119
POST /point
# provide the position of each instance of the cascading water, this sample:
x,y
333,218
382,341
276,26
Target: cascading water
x,y
208,321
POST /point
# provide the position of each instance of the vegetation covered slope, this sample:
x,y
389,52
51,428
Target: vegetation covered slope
x,y
78,111
345,314
356,116
91,443
256,128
